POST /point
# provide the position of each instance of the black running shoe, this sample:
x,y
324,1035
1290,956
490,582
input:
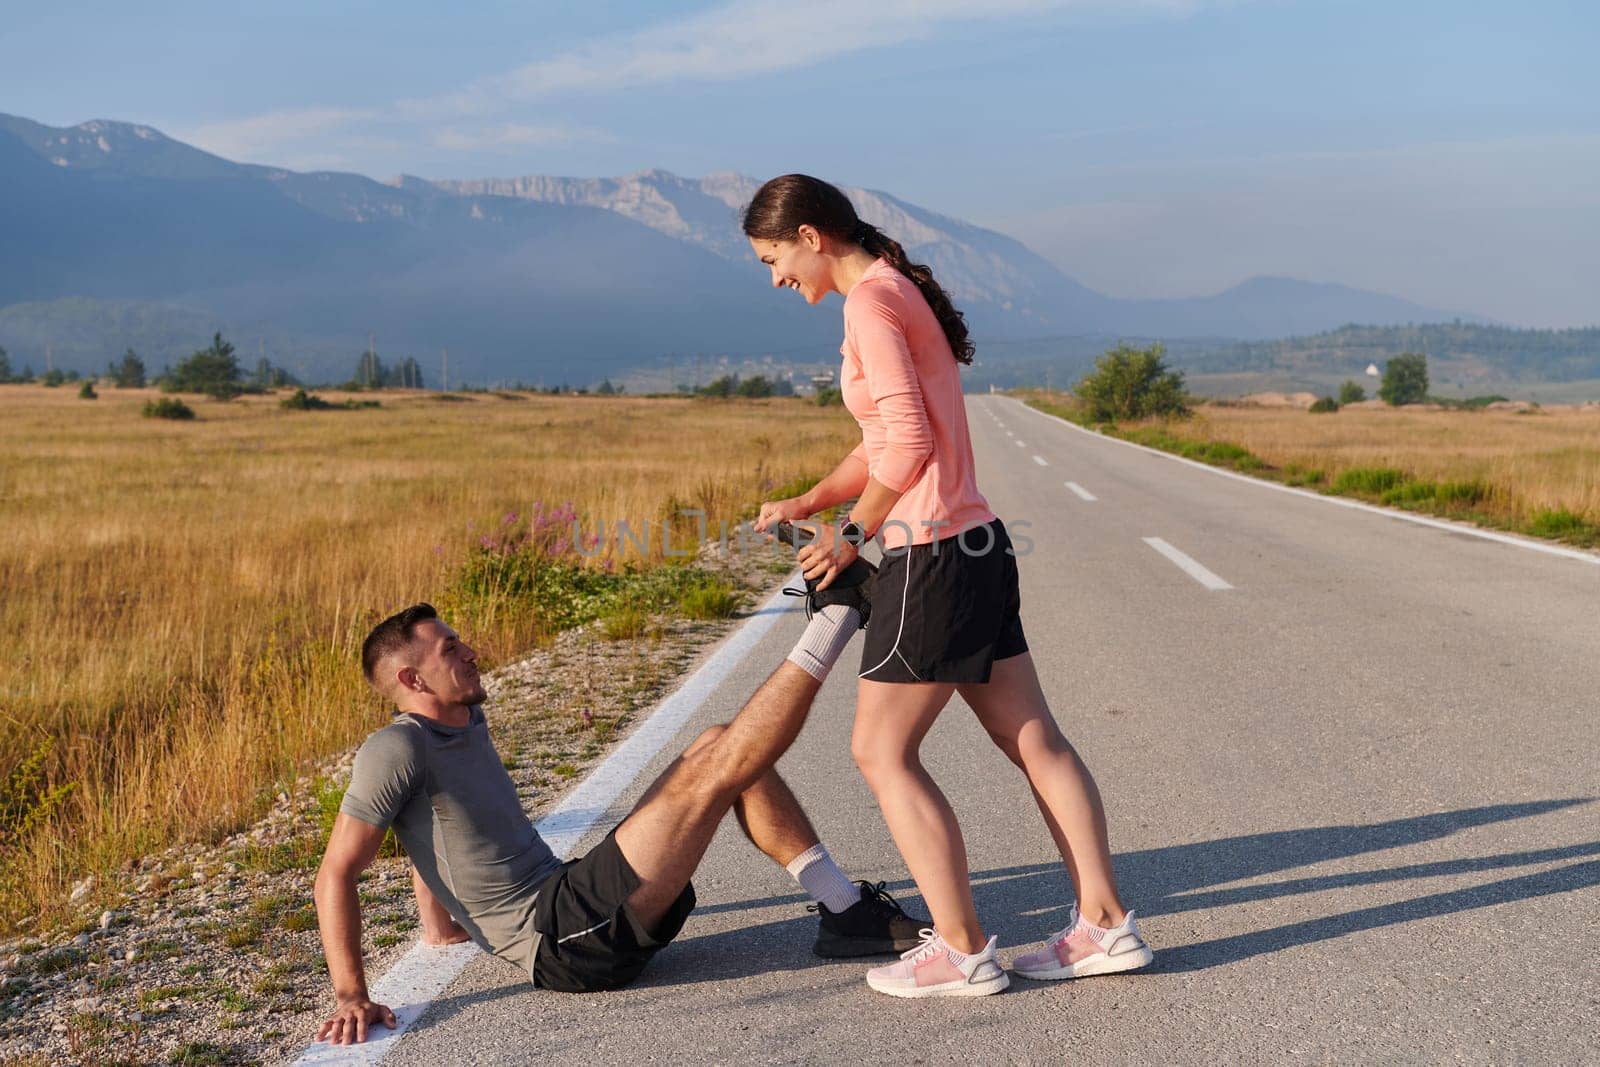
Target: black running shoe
x,y
851,587
873,926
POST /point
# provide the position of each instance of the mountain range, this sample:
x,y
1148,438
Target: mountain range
x,y
117,235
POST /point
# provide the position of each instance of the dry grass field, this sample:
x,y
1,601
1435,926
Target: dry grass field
x,y
1537,472
184,601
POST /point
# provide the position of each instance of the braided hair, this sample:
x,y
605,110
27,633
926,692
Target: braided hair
x,y
784,204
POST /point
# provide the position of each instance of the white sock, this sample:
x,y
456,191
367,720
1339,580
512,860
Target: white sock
x,y
819,647
819,876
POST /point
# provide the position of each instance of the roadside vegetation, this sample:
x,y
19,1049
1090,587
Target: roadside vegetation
x,y
1534,472
184,602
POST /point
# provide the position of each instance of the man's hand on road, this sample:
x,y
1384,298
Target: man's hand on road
x,y
348,1024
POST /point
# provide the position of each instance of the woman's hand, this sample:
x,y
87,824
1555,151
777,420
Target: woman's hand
x,y
776,511
823,559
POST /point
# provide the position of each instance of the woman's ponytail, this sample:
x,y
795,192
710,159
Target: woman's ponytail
x,y
877,243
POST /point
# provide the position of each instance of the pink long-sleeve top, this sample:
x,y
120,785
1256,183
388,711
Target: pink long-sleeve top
x,y
903,386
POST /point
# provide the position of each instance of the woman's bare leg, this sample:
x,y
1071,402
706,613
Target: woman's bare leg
x,y
1012,708
891,721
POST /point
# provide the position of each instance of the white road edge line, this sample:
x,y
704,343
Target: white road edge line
x,y
1081,491
1041,461
1339,501
1188,565
1022,444
410,986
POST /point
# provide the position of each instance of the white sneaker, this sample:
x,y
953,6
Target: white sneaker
x,y
1081,949
934,969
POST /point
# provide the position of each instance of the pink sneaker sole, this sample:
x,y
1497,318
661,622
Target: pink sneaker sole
x,y
908,988
1100,963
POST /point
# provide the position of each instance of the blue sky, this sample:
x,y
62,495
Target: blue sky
x,y
1444,152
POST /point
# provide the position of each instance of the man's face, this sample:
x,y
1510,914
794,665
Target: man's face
x,y
447,665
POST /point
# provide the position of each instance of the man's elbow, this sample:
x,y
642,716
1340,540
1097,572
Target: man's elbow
x,y
332,877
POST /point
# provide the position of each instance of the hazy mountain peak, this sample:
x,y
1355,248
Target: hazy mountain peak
x,y
124,147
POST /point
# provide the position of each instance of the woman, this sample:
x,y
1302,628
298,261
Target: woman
x,y
945,605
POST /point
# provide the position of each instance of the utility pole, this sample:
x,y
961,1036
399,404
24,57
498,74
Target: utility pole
x,y
444,370
49,359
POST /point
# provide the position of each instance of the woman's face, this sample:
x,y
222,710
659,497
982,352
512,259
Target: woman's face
x,y
798,264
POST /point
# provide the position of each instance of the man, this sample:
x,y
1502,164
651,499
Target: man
x,y
482,871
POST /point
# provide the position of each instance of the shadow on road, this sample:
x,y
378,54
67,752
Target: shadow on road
x,y
1018,902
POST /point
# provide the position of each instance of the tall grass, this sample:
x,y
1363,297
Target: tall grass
x,y
1539,473
183,601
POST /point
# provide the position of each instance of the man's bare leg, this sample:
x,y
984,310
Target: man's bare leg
x,y
668,832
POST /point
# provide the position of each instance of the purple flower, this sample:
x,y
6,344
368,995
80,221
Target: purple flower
x,y
510,519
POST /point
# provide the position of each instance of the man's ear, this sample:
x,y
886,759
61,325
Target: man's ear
x,y
409,679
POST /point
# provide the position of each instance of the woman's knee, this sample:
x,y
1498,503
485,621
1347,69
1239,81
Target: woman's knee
x,y
1042,742
1007,744
879,759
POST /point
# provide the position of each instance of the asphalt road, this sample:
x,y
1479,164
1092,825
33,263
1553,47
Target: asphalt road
x,y
1351,795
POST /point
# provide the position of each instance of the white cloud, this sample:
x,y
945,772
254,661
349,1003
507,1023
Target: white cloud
x,y
513,135
739,39
747,38
255,136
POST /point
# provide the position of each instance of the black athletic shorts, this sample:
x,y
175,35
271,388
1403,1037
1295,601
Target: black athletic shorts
x,y
589,938
945,611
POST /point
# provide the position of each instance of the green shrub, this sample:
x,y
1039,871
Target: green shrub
x,y
1372,481
26,796
624,624
1436,494
1351,392
1132,383
826,398
298,922
1296,475
1324,406
1405,379
167,407
1556,522
202,1054
711,600
213,371
300,400
242,936
86,390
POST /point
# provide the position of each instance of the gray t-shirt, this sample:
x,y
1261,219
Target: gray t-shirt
x,y
454,808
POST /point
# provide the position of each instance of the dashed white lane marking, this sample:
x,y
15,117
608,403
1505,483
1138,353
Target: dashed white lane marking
x,y
1338,501
1022,444
410,986
1041,461
1083,494
1188,565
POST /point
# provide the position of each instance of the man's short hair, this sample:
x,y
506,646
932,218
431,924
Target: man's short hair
x,y
392,636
